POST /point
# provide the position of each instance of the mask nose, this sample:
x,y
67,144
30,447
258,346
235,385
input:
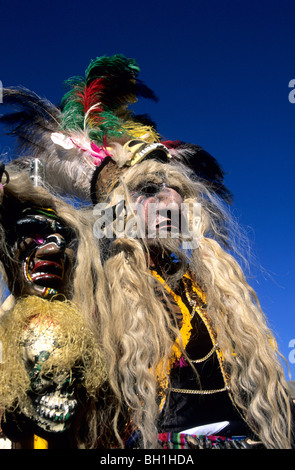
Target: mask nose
x,y
168,196
54,244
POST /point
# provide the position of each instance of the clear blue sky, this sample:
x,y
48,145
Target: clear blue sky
x,y
221,70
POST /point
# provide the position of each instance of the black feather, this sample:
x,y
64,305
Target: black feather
x,y
204,165
31,119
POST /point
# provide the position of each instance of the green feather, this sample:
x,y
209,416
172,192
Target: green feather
x,y
72,108
117,75
114,66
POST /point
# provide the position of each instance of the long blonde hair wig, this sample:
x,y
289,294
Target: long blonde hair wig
x,y
139,333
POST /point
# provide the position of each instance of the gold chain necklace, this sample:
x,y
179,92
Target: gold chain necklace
x,y
198,392
203,359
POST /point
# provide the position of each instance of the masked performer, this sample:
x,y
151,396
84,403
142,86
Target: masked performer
x,y
52,369
197,359
188,350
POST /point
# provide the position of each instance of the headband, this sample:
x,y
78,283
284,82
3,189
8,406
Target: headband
x,y
106,177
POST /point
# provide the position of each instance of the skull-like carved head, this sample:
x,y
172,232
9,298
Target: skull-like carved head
x,y
52,402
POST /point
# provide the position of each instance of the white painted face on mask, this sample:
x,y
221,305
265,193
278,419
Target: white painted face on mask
x,y
159,207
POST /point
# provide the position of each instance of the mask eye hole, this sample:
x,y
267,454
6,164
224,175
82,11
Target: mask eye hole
x,y
150,189
29,242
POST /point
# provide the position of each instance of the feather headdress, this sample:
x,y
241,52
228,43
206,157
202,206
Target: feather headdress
x,y
92,123
99,103
73,139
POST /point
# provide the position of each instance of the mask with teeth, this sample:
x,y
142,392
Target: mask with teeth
x,y
52,364
52,403
43,249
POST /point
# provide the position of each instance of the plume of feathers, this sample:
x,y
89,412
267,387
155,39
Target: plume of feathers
x,y
73,139
99,103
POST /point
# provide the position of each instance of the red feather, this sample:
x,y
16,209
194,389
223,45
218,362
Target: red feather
x,y
91,94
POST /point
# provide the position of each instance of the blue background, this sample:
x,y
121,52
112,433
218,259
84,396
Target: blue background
x,y
221,70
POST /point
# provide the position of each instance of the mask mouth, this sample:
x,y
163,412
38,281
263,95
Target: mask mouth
x,y
165,224
46,273
171,222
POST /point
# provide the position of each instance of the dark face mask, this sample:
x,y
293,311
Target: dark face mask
x,y
44,251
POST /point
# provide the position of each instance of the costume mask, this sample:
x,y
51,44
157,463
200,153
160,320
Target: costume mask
x,y
160,209
53,402
44,249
